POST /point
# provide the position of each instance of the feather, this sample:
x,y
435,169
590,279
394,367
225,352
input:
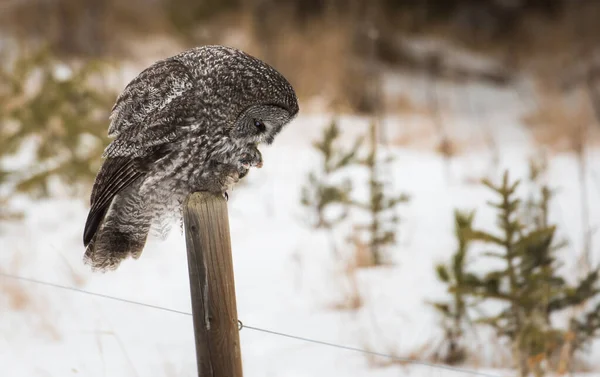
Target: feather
x,y
153,89
159,128
114,176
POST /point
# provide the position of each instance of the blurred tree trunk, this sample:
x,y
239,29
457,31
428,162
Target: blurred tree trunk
x,y
265,27
80,24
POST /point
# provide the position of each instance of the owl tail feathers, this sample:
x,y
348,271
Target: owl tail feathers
x,y
108,248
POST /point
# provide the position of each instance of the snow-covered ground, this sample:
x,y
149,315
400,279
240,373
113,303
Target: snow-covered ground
x,y
287,278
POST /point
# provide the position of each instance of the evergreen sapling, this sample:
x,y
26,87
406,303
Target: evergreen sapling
x,y
322,192
454,312
527,282
63,115
382,228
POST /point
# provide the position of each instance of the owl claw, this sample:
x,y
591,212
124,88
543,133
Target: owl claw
x,y
226,196
252,158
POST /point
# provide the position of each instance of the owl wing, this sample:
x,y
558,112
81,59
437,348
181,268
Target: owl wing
x,y
116,174
144,121
153,89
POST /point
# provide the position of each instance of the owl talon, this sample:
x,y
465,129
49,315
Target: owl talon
x,y
226,196
252,158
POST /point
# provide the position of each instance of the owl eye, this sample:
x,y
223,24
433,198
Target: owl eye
x,y
260,125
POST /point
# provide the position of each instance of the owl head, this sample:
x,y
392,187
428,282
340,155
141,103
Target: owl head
x,y
255,100
260,123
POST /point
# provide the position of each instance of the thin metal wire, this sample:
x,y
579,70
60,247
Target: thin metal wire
x,y
241,326
73,289
391,357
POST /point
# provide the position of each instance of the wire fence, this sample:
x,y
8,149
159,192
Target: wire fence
x,y
258,329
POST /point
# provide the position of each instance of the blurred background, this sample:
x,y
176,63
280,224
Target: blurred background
x,y
387,213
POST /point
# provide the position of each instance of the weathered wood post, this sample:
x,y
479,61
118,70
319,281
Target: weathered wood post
x,y
212,286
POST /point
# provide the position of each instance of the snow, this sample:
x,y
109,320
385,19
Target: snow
x,y
287,278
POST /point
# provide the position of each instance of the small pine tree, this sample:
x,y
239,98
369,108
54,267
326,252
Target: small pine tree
x,y
527,282
586,328
453,274
321,192
63,115
383,227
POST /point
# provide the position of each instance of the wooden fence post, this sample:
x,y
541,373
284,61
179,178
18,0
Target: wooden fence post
x,y
212,286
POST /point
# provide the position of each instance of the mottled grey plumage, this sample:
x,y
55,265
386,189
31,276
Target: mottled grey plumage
x,y
187,123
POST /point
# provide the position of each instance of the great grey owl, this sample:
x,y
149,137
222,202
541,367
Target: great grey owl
x,y
191,122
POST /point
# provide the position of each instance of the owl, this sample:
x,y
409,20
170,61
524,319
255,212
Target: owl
x,y
191,122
